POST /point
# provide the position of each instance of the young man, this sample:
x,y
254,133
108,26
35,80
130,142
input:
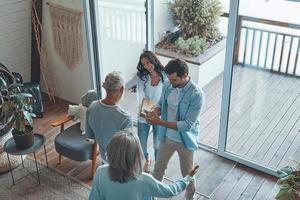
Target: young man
x,y
179,107
104,117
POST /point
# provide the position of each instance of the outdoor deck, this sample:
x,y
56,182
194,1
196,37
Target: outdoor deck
x,y
264,118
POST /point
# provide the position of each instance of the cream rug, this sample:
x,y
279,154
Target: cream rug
x,y
54,185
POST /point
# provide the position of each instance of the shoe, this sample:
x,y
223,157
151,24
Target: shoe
x,y
147,166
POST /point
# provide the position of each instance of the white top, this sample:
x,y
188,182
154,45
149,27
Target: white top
x,y
144,89
172,100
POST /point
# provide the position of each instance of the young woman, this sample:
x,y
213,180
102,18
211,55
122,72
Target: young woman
x,y
147,82
123,178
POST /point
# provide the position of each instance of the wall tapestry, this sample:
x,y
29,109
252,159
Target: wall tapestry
x,y
67,34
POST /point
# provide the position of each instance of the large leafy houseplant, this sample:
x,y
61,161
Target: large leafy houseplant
x,y
17,104
289,183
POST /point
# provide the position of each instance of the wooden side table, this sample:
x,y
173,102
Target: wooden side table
x,y
11,149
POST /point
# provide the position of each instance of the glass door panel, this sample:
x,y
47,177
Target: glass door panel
x,y
264,106
122,31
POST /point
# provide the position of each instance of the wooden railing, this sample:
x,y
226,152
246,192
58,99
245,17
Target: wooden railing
x,y
268,48
124,22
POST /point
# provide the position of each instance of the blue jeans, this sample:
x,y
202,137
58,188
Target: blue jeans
x,y
143,132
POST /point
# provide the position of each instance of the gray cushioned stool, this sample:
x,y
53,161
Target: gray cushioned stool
x,y
73,145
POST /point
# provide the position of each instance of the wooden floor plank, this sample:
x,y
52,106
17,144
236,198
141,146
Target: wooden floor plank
x,y
282,151
291,152
249,115
265,189
280,133
253,134
229,183
278,120
237,192
251,190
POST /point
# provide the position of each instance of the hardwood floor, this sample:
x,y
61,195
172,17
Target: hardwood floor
x,y
217,178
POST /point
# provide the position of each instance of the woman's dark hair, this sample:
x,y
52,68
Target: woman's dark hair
x,y
124,155
152,58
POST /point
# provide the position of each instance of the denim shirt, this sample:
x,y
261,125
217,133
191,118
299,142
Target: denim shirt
x,y
190,102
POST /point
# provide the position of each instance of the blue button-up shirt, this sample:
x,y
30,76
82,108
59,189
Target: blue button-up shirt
x,y
190,102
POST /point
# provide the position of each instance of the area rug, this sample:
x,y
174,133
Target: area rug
x,y
54,185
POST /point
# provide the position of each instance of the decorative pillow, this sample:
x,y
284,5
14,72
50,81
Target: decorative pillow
x,y
89,97
79,112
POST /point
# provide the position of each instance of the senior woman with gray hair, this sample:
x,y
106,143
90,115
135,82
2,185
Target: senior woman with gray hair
x,y
104,117
123,178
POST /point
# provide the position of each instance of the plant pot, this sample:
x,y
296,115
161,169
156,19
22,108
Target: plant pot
x,y
23,140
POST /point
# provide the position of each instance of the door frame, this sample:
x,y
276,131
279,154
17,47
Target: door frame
x,y
94,51
226,94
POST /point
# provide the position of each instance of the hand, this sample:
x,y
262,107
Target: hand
x,y
152,118
156,110
133,89
194,170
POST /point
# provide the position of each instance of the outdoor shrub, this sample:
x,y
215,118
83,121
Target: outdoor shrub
x,y
192,46
196,17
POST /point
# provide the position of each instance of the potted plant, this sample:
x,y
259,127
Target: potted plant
x,y
196,22
289,183
16,104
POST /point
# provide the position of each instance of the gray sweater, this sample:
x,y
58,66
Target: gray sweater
x,y
103,121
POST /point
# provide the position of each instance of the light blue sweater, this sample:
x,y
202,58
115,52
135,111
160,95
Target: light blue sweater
x,y
103,121
142,188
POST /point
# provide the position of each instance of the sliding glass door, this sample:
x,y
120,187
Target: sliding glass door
x,y
261,102
122,36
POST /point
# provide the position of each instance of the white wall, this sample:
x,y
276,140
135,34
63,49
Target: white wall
x,y
15,36
71,85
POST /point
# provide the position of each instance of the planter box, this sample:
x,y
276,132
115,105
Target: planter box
x,y
203,68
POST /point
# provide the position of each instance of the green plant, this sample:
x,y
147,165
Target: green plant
x,y
289,183
16,104
192,46
196,17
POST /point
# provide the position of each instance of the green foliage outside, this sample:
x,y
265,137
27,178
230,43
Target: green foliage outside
x,y
191,46
197,21
289,183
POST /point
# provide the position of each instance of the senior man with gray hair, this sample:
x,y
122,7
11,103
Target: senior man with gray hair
x,y
104,117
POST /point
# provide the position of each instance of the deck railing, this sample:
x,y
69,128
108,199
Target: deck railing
x,y
268,44
124,21
260,43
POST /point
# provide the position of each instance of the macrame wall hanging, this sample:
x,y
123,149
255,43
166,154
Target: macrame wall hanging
x,y
67,34
45,67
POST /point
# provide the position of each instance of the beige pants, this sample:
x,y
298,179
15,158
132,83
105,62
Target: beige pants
x,y
165,151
